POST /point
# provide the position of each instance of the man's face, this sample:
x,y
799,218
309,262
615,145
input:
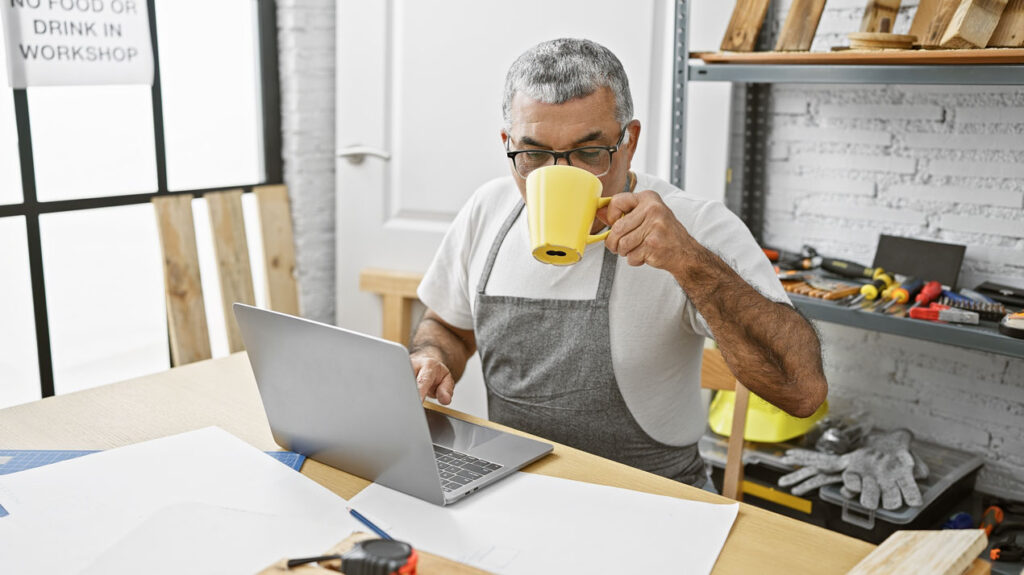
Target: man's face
x,y
587,121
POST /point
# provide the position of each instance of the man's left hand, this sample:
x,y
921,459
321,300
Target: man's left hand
x,y
645,231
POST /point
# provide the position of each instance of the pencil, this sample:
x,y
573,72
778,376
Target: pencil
x,y
369,523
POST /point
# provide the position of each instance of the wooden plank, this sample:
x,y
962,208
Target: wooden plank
x,y
745,25
923,16
232,250
278,248
801,24
734,454
973,24
943,15
186,313
947,552
1010,31
381,281
879,16
852,57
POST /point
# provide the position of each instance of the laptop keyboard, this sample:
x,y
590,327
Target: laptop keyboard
x,y
458,469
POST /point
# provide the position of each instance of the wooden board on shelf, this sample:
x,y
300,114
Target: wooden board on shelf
x,y
745,25
973,24
940,21
880,41
1010,31
801,24
879,16
923,16
870,58
947,552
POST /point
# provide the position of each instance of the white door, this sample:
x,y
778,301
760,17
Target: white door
x,y
419,86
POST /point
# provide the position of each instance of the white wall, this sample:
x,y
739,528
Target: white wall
x,y
306,47
931,162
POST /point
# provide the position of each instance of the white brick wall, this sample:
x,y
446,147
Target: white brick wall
x,y
932,162
306,60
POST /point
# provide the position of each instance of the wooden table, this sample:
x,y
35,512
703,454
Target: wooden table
x,y
223,392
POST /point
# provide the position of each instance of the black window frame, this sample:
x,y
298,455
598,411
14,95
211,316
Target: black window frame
x,y
31,208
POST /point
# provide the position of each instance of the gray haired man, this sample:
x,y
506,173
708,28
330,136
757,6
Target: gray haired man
x,y
602,356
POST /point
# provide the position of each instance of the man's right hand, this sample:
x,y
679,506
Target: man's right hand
x,y
433,378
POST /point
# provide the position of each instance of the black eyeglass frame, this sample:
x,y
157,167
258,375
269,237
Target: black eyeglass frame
x,y
560,155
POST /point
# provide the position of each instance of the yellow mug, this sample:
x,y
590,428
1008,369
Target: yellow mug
x,y
561,203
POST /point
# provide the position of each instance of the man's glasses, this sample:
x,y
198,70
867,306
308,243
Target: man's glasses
x,y
595,159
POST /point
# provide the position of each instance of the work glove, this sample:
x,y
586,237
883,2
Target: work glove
x,y
885,468
817,469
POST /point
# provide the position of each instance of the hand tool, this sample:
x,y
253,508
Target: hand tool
x,y
847,268
872,290
976,296
987,311
1013,325
928,293
992,517
902,293
943,313
371,557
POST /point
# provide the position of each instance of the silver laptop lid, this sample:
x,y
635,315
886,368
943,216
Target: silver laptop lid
x,y
341,397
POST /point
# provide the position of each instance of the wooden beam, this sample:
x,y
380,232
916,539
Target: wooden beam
x,y
278,248
390,282
880,16
733,480
232,250
926,12
1010,31
937,28
186,313
745,25
801,24
973,24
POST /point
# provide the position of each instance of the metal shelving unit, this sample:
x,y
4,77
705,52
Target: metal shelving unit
x,y
983,337
981,74
745,195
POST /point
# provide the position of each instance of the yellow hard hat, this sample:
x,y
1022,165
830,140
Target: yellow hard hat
x,y
765,422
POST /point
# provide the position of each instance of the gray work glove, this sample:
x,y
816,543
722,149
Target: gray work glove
x,y
885,468
817,469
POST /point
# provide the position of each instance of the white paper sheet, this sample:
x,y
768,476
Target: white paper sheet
x,y
128,510
530,523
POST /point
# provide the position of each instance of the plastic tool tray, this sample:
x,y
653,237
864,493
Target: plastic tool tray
x,y
947,468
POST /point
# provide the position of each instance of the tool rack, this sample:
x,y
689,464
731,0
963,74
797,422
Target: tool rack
x,y
745,195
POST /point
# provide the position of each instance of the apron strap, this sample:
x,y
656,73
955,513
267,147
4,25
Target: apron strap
x,y
493,254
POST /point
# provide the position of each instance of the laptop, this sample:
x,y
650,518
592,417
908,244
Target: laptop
x,y
349,400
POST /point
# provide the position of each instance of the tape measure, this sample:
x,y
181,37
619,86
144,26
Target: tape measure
x,y
1013,325
372,557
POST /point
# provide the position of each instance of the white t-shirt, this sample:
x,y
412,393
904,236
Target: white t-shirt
x,y
657,335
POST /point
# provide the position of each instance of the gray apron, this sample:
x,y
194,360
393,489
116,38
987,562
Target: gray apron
x,y
548,370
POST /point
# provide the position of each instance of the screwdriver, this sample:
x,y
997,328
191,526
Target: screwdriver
x,y
903,292
847,268
929,292
873,289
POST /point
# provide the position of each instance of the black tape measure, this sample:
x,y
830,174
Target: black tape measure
x,y
371,557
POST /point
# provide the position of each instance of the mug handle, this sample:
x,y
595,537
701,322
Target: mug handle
x,y
601,202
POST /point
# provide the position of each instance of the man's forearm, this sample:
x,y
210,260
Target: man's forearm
x,y
433,338
770,347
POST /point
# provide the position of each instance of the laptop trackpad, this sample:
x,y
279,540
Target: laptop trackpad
x,y
457,434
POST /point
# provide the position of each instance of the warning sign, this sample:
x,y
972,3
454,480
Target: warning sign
x,y
77,42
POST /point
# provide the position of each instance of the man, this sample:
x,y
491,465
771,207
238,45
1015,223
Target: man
x,y
600,355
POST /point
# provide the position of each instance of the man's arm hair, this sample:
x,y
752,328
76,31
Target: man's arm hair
x,y
770,347
446,343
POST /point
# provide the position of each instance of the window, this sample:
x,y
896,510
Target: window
x,y
10,169
79,219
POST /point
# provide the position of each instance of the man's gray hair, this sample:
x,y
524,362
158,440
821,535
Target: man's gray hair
x,y
560,70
